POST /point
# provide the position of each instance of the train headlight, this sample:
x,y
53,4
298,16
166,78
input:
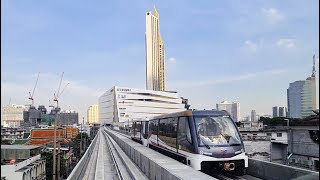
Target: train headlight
x,y
238,152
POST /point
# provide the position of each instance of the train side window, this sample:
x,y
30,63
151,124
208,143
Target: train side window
x,y
145,130
163,132
153,129
132,132
174,126
188,132
139,129
184,135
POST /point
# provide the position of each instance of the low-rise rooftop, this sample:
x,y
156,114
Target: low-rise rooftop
x,y
18,146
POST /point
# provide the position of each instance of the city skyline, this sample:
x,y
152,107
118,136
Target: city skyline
x,y
96,50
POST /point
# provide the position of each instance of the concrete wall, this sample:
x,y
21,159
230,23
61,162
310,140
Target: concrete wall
x,y
258,149
278,152
301,143
275,171
155,165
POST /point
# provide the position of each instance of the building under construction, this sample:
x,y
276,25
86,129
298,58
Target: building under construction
x,y
36,117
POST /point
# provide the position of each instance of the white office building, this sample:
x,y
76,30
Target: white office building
x,y
121,104
232,108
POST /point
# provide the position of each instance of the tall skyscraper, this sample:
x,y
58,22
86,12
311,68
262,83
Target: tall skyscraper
x,y
232,108
253,115
301,96
282,112
155,53
93,114
275,111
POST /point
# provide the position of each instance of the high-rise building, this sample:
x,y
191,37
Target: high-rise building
x,y
301,96
155,53
282,112
232,108
275,111
93,114
253,115
279,111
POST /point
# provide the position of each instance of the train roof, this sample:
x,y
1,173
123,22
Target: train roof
x,y
194,113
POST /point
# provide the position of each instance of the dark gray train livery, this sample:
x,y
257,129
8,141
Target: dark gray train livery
x,y
207,140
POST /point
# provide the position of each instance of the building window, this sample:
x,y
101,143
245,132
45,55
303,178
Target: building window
x,y
316,164
269,134
279,134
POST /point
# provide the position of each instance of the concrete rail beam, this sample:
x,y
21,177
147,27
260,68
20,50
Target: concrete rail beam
x,y
274,171
82,164
154,165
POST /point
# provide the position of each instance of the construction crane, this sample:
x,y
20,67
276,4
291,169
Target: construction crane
x,y
34,88
9,102
58,94
50,104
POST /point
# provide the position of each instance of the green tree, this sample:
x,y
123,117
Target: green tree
x,y
49,163
6,142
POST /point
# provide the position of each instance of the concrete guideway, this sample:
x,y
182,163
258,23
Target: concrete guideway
x,y
105,160
154,165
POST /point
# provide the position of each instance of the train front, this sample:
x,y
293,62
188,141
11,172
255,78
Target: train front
x,y
220,144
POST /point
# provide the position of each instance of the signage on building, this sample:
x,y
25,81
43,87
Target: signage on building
x,y
123,90
121,96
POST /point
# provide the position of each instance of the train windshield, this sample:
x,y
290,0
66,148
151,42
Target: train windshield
x,y
216,130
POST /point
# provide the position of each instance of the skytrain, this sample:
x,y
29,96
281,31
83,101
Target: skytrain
x,y
206,140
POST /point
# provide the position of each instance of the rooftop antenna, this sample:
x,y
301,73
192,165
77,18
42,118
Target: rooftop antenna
x,y
314,66
9,102
34,88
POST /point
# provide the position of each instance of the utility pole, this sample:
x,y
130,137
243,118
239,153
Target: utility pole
x,y
81,139
288,136
58,168
84,141
54,150
56,98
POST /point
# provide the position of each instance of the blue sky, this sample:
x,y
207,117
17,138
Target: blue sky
x,y
244,51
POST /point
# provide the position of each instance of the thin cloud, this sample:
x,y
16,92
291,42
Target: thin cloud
x,y
286,43
272,15
250,47
230,79
172,60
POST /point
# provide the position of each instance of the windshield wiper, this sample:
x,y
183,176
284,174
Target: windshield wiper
x,y
206,145
234,144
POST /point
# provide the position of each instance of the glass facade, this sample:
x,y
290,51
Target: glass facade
x,y
301,98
